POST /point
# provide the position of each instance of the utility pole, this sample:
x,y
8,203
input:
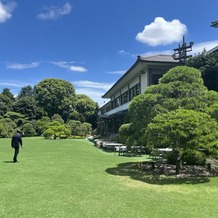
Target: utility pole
x,y
180,53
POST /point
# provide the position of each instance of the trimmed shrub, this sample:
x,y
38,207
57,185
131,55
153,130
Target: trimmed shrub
x,y
124,133
63,136
48,133
194,157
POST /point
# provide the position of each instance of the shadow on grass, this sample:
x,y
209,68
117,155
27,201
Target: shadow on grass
x,y
8,161
132,170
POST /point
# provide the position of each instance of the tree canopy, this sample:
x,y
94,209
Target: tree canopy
x,y
180,87
87,108
182,129
33,109
208,65
56,96
179,112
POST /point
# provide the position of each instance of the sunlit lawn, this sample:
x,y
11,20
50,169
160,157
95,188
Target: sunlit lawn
x,y
72,178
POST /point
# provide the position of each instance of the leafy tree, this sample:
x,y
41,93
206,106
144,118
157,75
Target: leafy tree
x,y
194,157
9,125
56,96
73,126
18,118
183,129
75,115
26,105
86,129
81,130
3,131
57,117
208,65
6,92
6,101
180,87
57,129
87,108
26,91
48,133
3,107
28,129
41,125
124,132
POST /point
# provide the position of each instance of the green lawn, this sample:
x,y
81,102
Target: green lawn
x,y
72,178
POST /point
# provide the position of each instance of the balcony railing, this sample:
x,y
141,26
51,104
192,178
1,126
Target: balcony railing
x,y
116,110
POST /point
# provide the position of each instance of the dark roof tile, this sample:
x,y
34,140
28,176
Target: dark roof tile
x,y
158,58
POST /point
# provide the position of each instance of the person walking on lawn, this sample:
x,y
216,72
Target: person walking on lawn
x,y
16,142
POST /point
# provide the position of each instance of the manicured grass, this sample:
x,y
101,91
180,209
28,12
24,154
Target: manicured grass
x,y
72,178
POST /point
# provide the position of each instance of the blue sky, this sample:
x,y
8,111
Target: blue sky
x,y
91,43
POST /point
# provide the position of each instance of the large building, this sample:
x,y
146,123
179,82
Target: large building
x,y
143,73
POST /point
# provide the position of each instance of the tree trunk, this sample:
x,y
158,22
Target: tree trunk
x,y
178,161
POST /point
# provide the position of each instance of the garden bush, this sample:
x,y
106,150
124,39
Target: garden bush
x,y
189,157
194,157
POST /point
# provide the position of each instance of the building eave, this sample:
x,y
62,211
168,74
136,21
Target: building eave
x,y
151,60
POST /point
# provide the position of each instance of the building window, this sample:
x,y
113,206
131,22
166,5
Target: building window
x,y
124,98
134,91
115,103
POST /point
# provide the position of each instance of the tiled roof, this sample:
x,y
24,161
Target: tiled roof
x,y
158,58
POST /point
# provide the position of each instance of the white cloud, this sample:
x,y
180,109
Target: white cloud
x,y
123,52
162,32
62,64
92,89
18,66
55,12
67,65
16,84
119,72
6,10
78,69
93,85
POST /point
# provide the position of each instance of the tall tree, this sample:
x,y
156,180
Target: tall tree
x,y
27,106
6,101
180,87
208,65
183,129
26,91
56,96
87,108
6,92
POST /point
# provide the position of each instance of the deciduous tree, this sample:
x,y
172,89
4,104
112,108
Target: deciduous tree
x,y
56,96
180,87
183,129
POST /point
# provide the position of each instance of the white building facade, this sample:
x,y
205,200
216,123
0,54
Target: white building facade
x,y
144,72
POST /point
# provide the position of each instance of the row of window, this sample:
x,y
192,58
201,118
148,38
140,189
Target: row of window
x,y
126,96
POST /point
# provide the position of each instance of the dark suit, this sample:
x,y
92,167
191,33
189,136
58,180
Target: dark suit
x,y
16,141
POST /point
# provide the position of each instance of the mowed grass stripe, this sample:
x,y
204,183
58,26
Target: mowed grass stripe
x,y
72,178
